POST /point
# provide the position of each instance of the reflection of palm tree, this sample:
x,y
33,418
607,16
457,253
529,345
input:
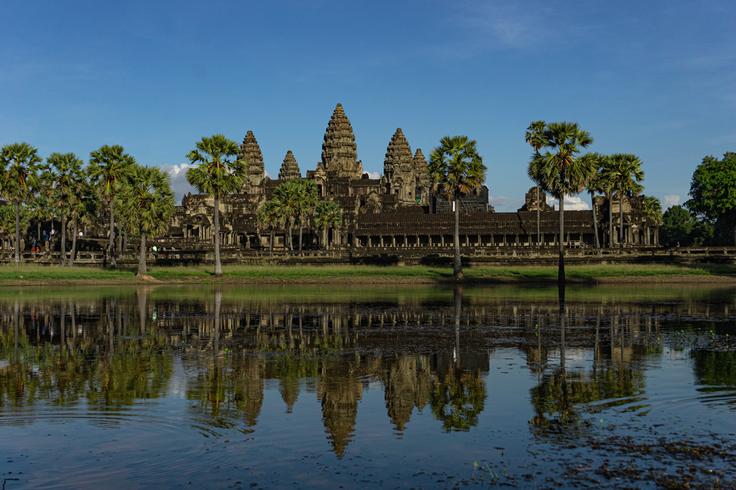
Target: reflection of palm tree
x,y
458,398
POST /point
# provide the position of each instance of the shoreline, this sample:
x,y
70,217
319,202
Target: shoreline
x,y
703,274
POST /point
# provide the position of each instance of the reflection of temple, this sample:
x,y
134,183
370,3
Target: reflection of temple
x,y
396,211
66,352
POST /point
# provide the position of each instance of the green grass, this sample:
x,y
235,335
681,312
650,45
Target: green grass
x,y
9,274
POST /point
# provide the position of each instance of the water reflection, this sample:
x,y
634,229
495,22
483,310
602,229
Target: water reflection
x,y
103,352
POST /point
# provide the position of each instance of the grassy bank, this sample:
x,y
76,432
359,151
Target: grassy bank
x,y
306,274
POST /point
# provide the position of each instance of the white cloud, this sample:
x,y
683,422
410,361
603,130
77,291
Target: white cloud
x,y
572,203
671,200
178,177
374,175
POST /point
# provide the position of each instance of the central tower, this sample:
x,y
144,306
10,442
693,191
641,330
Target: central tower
x,y
339,151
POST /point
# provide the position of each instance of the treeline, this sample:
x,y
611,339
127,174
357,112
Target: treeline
x,y
134,199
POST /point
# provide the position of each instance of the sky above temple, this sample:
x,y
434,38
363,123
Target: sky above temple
x,y
655,78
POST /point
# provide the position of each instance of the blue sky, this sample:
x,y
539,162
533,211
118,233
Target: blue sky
x,y
655,78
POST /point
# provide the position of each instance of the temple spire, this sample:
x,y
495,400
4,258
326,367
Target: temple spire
x,y
251,154
289,168
398,158
339,151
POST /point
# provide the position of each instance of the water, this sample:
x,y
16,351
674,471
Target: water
x,y
424,387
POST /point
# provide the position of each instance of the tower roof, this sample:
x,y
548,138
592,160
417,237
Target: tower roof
x,y
251,154
289,168
339,151
398,155
420,163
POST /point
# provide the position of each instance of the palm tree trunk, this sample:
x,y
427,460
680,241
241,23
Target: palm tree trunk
x,y
621,239
218,265
325,238
142,255
300,238
561,243
595,223
75,232
458,265
63,239
38,230
270,242
290,230
609,196
17,233
539,238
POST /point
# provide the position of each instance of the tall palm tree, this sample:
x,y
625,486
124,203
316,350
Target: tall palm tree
x,y
326,215
66,174
456,169
606,186
108,166
593,163
625,172
307,204
218,173
561,173
534,136
84,210
20,163
147,204
297,200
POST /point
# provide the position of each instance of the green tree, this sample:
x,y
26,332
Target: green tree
x,y
561,172
66,174
652,209
147,204
326,215
681,228
535,138
84,209
713,191
20,162
218,173
456,169
109,165
625,172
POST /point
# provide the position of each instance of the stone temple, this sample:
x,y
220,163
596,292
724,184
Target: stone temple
x,y
397,213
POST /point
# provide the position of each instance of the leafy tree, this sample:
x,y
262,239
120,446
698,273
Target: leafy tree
x,y
108,167
713,191
20,163
456,169
66,174
625,172
561,172
535,137
326,215
681,228
7,219
84,209
218,173
147,204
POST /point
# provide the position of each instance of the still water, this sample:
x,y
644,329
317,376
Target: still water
x,y
340,387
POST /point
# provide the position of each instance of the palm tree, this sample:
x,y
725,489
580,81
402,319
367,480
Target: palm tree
x,y
534,136
218,173
561,173
605,185
65,172
593,163
297,199
652,209
326,215
108,166
19,176
271,217
306,205
625,172
147,204
456,169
